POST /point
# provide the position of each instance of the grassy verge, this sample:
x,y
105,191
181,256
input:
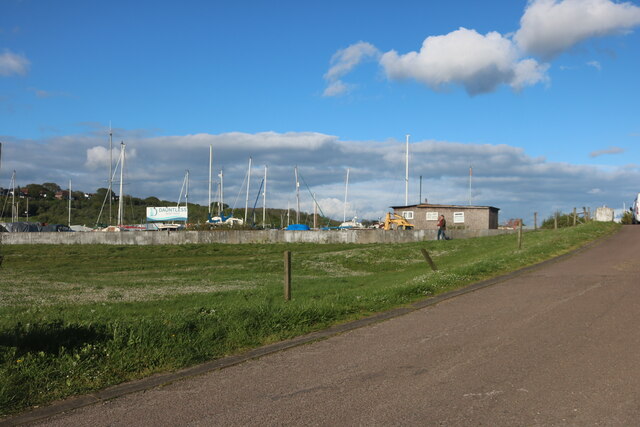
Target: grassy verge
x,y
79,318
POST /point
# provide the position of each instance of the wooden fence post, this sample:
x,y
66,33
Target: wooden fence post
x,y
575,217
287,275
520,235
535,220
427,258
555,221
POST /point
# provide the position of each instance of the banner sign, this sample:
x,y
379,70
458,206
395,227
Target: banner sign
x,y
173,213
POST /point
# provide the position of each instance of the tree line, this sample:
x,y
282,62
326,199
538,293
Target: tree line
x,y
38,203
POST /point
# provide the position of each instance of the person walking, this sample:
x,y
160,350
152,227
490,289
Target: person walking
x,y
442,226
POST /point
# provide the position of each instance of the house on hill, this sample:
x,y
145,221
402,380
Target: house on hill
x,y
425,216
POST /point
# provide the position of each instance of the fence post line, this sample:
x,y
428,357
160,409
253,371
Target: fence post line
x,y
287,275
575,217
555,221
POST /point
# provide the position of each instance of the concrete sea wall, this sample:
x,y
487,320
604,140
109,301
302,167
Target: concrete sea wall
x,y
236,237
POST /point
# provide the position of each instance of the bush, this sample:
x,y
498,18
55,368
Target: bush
x,y
627,217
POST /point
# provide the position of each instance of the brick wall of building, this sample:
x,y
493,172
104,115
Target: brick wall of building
x,y
425,216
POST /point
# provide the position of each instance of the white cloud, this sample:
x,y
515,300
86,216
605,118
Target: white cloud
x,y
336,88
40,93
13,64
550,27
97,157
595,64
343,62
610,150
480,63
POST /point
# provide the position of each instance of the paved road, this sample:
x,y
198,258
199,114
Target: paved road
x,y
559,345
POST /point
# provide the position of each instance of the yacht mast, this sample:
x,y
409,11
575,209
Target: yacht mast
x,y
69,203
210,165
315,212
264,199
109,191
297,197
14,208
121,198
346,191
246,203
221,204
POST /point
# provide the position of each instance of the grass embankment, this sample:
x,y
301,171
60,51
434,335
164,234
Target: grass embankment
x,y
80,318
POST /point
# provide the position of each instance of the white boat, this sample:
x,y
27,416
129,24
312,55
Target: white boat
x,y
352,224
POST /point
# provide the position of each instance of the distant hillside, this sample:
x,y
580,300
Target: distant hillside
x,y
49,203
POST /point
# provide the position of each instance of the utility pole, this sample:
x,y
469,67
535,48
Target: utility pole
x,y
470,176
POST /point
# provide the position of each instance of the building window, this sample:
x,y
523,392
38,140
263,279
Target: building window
x,y
432,216
458,217
407,214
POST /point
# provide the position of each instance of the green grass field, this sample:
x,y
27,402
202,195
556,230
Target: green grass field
x,y
80,318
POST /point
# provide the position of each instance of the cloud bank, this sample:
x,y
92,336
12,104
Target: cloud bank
x,y
504,176
482,63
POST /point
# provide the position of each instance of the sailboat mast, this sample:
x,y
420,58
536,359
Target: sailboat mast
x,y
69,203
346,191
121,198
210,170
186,197
406,175
297,196
246,203
264,199
221,206
14,209
110,190
315,212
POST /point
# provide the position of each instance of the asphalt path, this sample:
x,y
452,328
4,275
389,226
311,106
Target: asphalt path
x,y
556,345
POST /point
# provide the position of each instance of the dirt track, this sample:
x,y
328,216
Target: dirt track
x,y
559,345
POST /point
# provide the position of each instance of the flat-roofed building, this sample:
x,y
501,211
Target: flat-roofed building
x,y
425,216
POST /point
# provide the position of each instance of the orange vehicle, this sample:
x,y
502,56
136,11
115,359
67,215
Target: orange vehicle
x,y
393,221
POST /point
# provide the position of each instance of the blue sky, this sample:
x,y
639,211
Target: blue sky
x,y
540,96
